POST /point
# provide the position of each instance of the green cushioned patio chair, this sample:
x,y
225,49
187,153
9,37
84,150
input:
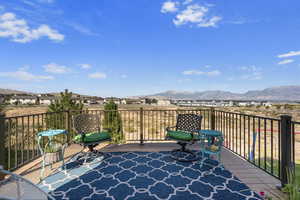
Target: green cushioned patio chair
x,y
89,135
185,132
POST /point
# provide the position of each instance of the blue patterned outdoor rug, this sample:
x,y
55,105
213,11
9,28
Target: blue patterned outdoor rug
x,y
146,175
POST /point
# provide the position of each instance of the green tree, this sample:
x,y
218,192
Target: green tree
x,y
112,121
56,116
2,108
65,103
150,101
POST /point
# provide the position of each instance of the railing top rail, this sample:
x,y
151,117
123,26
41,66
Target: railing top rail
x,y
102,110
296,123
30,115
248,115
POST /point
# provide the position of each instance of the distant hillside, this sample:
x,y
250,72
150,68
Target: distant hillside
x,y
281,93
8,91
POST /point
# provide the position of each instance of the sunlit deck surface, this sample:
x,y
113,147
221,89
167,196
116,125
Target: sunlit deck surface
x,y
252,176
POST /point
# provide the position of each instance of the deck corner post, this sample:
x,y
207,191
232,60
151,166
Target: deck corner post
x,y
141,125
2,143
212,118
286,148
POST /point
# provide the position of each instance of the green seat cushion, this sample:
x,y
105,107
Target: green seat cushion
x,y
93,137
181,135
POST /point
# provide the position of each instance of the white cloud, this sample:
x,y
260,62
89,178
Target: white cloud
x,y
187,2
253,73
56,69
22,74
85,66
19,31
29,3
286,61
82,29
253,76
98,75
251,68
289,54
210,22
169,6
46,1
124,76
197,72
196,14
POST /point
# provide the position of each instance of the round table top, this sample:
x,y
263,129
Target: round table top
x,y
211,132
48,133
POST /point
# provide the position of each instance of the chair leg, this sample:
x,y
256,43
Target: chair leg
x,y
91,148
43,169
183,149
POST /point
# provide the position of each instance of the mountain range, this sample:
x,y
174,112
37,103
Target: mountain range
x,y
280,93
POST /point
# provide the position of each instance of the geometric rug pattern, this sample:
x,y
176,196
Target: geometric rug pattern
x,y
146,176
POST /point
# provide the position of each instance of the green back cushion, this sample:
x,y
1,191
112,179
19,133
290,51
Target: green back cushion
x,y
93,137
179,135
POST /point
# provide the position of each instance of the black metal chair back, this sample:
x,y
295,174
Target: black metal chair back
x,y
87,123
188,122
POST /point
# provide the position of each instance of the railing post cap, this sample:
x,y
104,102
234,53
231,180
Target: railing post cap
x,y
286,116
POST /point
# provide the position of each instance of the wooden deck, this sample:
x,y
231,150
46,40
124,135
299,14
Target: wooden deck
x,y
254,177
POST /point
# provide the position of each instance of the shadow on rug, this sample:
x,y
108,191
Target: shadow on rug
x,y
146,175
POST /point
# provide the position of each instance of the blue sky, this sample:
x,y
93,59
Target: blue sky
x,y
136,47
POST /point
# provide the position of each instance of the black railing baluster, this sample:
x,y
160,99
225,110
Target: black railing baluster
x,y
272,147
22,149
279,149
259,143
16,141
244,140
9,144
253,131
28,140
240,129
265,144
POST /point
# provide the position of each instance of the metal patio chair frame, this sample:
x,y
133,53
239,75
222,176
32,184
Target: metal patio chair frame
x,y
84,124
189,124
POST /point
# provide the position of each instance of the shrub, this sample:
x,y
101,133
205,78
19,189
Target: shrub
x,y
112,121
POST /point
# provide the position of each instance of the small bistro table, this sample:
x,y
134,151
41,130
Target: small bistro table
x,y
53,150
212,142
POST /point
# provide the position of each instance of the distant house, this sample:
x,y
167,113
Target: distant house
x,y
163,102
46,100
97,100
133,101
244,103
18,99
267,104
114,99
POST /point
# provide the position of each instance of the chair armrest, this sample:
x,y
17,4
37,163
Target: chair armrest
x,y
82,137
108,129
195,132
169,128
